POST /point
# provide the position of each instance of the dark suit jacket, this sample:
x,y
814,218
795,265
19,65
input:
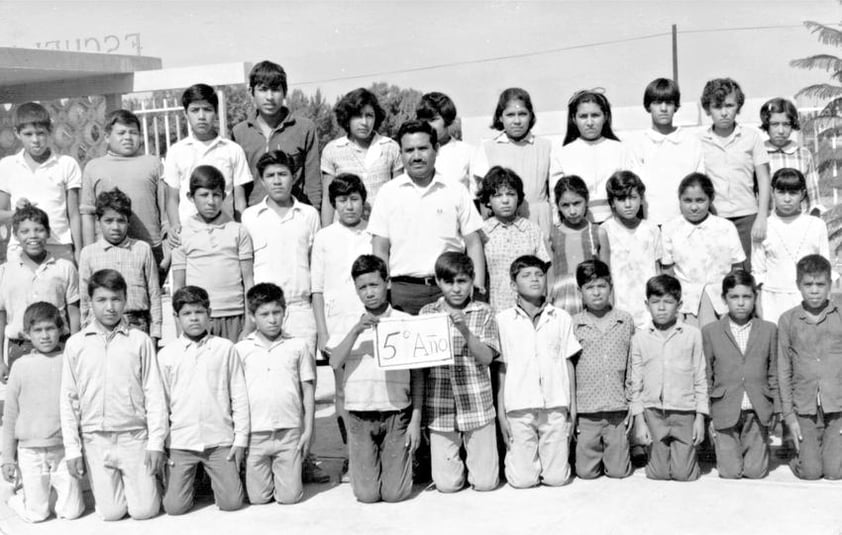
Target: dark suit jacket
x,y
730,373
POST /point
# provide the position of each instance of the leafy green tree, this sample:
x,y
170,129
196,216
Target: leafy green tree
x,y
827,123
399,105
317,109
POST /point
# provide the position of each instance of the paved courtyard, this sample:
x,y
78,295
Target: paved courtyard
x,y
778,504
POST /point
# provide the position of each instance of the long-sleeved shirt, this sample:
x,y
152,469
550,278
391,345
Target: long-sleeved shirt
x,y
810,360
206,393
295,136
668,370
31,413
110,383
134,260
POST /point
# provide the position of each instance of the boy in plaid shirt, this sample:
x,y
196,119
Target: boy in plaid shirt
x,y
458,404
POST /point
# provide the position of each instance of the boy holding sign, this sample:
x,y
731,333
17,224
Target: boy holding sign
x,y
458,403
384,406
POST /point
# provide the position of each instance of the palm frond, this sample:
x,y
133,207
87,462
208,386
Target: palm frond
x,y
827,62
825,34
820,123
820,92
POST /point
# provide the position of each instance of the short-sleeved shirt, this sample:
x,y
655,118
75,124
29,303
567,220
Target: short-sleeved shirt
x,y
662,161
139,177
210,254
367,387
703,254
730,163
335,248
55,280
134,260
375,166
422,223
505,242
189,153
602,367
536,356
594,163
46,188
453,161
459,397
274,372
634,260
282,246
796,157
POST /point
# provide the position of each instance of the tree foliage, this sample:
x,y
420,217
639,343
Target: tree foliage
x,y
827,124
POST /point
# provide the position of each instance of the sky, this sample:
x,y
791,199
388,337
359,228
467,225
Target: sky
x,y
471,50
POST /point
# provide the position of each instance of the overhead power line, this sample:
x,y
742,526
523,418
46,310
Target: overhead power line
x,y
548,51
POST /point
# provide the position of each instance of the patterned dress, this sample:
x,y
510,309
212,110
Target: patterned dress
x,y
634,256
503,243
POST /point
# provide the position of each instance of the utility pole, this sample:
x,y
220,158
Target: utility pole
x,y
675,53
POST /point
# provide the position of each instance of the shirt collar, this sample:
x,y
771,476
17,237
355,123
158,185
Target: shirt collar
x,y
263,205
441,305
789,148
831,307
259,341
678,327
404,180
546,309
675,137
187,342
49,259
710,135
376,140
738,328
95,327
221,220
125,244
218,140
519,223
585,318
502,137
289,119
21,159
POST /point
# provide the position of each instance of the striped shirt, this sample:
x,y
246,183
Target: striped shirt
x,y
458,397
134,260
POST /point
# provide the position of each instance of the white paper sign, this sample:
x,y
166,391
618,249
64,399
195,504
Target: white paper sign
x,y
413,342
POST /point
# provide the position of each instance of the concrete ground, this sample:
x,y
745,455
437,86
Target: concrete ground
x,y
778,504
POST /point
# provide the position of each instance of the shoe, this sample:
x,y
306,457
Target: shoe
x,y
312,473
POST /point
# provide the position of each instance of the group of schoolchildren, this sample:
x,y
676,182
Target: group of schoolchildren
x,y
617,316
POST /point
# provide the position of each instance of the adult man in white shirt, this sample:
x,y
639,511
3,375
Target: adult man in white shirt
x,y
420,215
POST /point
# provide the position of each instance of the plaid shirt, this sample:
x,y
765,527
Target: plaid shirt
x,y
799,158
459,397
134,260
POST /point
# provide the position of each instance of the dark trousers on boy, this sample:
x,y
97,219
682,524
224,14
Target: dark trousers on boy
x,y
743,450
410,294
380,461
602,445
820,451
672,454
224,476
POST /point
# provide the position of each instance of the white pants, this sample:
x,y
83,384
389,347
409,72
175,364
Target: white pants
x,y
481,458
540,447
120,481
41,471
300,322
